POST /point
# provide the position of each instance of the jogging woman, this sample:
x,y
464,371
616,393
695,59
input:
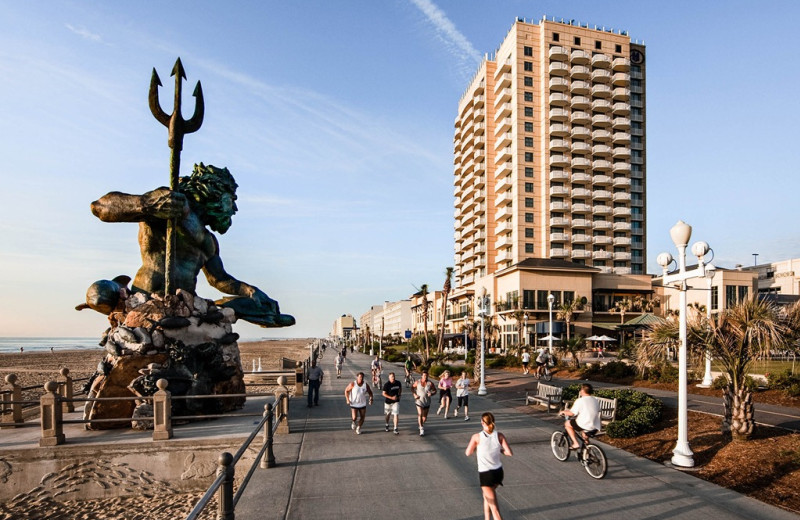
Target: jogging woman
x,y
489,444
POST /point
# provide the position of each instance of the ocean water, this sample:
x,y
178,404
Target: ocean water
x,y
44,344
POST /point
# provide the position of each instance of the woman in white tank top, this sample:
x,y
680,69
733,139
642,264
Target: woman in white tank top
x,y
489,444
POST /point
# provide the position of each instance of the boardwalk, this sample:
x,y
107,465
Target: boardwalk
x,y
326,471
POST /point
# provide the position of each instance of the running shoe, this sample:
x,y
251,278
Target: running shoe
x,y
455,412
353,425
466,418
358,430
387,427
439,411
422,432
396,432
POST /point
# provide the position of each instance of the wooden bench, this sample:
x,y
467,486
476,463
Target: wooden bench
x,y
267,377
546,395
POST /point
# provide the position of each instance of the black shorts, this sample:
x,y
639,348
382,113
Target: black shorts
x,y
540,364
445,392
463,400
526,363
491,478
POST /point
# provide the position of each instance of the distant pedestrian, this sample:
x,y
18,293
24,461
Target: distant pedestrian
x,y
445,395
423,390
52,351
344,352
315,375
339,362
391,407
462,394
526,361
356,395
21,350
490,444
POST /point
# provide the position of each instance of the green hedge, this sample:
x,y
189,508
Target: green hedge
x,y
611,370
503,361
637,412
786,381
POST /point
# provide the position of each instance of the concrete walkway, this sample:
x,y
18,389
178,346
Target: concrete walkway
x,y
326,471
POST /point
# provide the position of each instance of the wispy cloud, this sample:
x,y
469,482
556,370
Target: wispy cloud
x,y
85,33
455,42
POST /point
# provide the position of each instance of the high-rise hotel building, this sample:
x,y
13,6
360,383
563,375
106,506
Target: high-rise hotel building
x,y
550,153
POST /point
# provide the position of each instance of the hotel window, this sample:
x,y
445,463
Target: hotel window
x,y
636,112
528,96
714,298
528,232
636,68
636,154
541,300
528,51
528,187
636,140
577,41
743,291
528,299
555,37
618,48
636,125
528,81
529,141
529,218
528,171
598,44
527,66
528,126
730,295
636,225
528,156
529,248
528,111
528,203
636,83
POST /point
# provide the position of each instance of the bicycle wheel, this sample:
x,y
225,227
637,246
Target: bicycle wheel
x,y
560,446
595,462
548,376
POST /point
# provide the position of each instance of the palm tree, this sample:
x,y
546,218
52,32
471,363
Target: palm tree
x,y
567,310
448,274
424,291
622,306
573,347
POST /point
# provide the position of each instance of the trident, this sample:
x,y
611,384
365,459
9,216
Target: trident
x,y
178,127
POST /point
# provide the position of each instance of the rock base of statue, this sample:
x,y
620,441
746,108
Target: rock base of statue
x,y
182,338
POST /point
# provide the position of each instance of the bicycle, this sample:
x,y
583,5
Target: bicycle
x,y
589,455
546,373
377,382
409,380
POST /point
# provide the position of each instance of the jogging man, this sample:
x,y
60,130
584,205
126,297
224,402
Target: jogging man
x,y
526,360
423,390
391,408
462,394
356,396
339,362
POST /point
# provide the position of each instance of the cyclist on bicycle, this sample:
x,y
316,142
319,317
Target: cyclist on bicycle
x,y
409,366
584,416
541,360
376,368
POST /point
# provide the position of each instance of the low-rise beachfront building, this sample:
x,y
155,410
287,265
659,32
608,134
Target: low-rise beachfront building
x,y
778,278
711,294
396,318
430,321
344,327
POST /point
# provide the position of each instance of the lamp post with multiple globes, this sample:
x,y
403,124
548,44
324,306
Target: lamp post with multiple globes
x,y
550,300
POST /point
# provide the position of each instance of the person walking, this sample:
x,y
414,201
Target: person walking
x,y
392,390
462,394
489,444
526,361
423,390
356,396
315,375
338,363
445,395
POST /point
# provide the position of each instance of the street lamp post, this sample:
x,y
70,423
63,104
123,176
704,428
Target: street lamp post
x,y
707,379
550,300
680,234
482,313
466,344
525,330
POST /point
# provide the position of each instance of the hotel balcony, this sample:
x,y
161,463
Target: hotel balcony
x,y
599,179
581,177
559,114
480,208
559,252
504,227
502,111
601,165
622,212
480,223
621,182
558,191
559,160
601,76
580,118
580,132
503,139
558,145
578,193
622,123
581,253
581,102
559,84
558,68
580,87
622,256
601,105
601,149
601,135
621,138
622,270
622,94
621,108
479,128
581,238
503,66
559,237
504,256
503,81
479,154
622,241
601,195
581,223
503,213
502,96
559,206
601,209
580,207
504,199
480,180
503,184
479,100
502,170
580,56
580,72
622,197
581,162
559,129
622,152
504,242
503,154
601,255
601,91
601,60
622,226
621,64
581,148
620,79
557,52
559,99
503,125
559,175
559,221
601,225
622,167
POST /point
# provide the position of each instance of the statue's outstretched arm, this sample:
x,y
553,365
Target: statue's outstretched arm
x,y
224,282
161,203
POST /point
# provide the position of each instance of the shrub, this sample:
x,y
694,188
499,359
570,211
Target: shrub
x,y
663,373
503,361
786,381
437,370
612,370
721,383
637,412
394,357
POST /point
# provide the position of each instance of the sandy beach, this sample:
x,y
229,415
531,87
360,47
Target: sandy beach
x,y
36,368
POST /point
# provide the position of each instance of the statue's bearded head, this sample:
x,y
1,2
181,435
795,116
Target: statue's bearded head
x,y
212,192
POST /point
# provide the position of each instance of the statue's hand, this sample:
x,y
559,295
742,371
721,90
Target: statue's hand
x,y
264,301
165,203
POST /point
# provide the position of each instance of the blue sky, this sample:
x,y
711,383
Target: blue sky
x,y
336,118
